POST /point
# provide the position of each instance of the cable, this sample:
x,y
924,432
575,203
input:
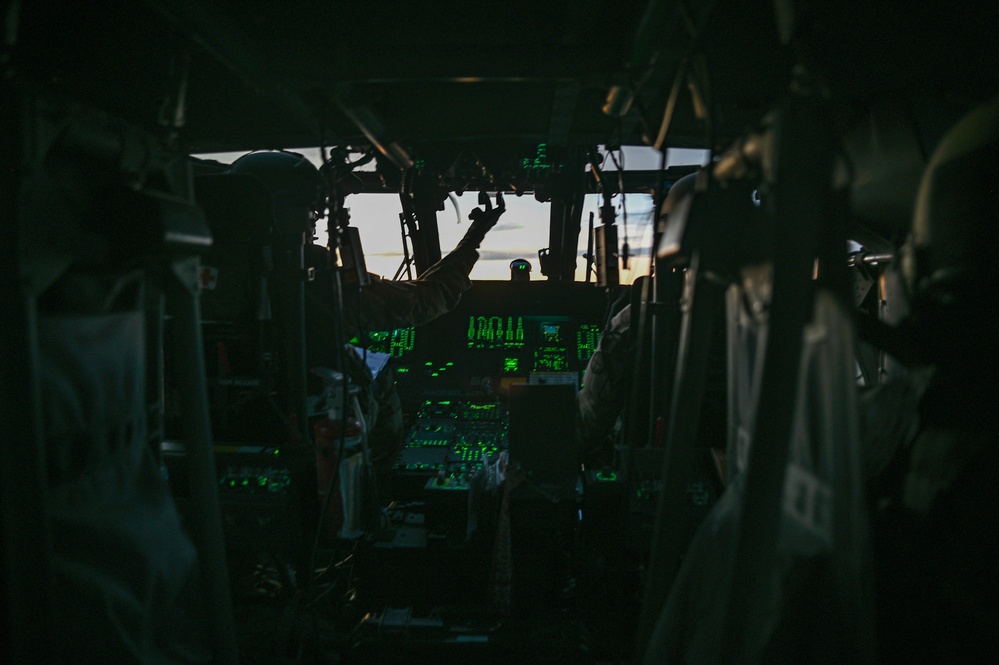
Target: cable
x,y
695,33
364,159
454,202
674,94
700,84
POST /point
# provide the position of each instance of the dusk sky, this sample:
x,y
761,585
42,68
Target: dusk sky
x,y
521,231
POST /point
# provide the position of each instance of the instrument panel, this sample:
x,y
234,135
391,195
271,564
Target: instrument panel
x,y
454,374
499,334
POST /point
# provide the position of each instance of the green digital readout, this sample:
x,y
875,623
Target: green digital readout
x,y
511,364
550,359
396,342
587,338
495,332
540,160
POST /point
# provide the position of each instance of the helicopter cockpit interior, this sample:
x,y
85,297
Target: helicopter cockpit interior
x,y
594,331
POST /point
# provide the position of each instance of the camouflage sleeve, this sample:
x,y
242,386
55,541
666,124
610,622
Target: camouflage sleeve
x,y
605,385
386,305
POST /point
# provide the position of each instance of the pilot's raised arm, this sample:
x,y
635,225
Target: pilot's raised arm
x,y
296,187
387,305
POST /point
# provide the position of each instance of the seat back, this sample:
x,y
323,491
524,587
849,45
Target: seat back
x,y
777,571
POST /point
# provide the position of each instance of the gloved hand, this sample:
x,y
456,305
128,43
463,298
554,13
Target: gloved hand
x,y
483,219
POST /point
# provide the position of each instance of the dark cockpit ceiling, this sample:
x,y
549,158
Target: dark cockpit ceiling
x,y
261,74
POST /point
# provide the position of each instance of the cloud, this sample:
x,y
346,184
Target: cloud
x,y
510,226
486,255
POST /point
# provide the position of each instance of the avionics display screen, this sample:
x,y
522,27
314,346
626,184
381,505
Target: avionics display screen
x,y
500,333
398,343
496,332
533,343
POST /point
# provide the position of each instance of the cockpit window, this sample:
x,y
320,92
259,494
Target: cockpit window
x,y
520,233
636,229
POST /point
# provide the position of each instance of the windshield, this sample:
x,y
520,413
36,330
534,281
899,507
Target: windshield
x,y
520,233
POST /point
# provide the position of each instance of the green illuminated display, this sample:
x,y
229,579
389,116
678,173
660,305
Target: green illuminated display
x,y
550,359
396,342
551,333
587,338
247,480
540,160
495,332
510,364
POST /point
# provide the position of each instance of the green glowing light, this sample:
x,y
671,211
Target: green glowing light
x,y
429,364
396,343
550,359
277,451
510,364
606,476
540,160
262,481
587,338
450,364
402,370
434,374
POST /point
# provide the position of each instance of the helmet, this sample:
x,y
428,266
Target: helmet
x,y
296,186
949,262
678,191
676,205
951,254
